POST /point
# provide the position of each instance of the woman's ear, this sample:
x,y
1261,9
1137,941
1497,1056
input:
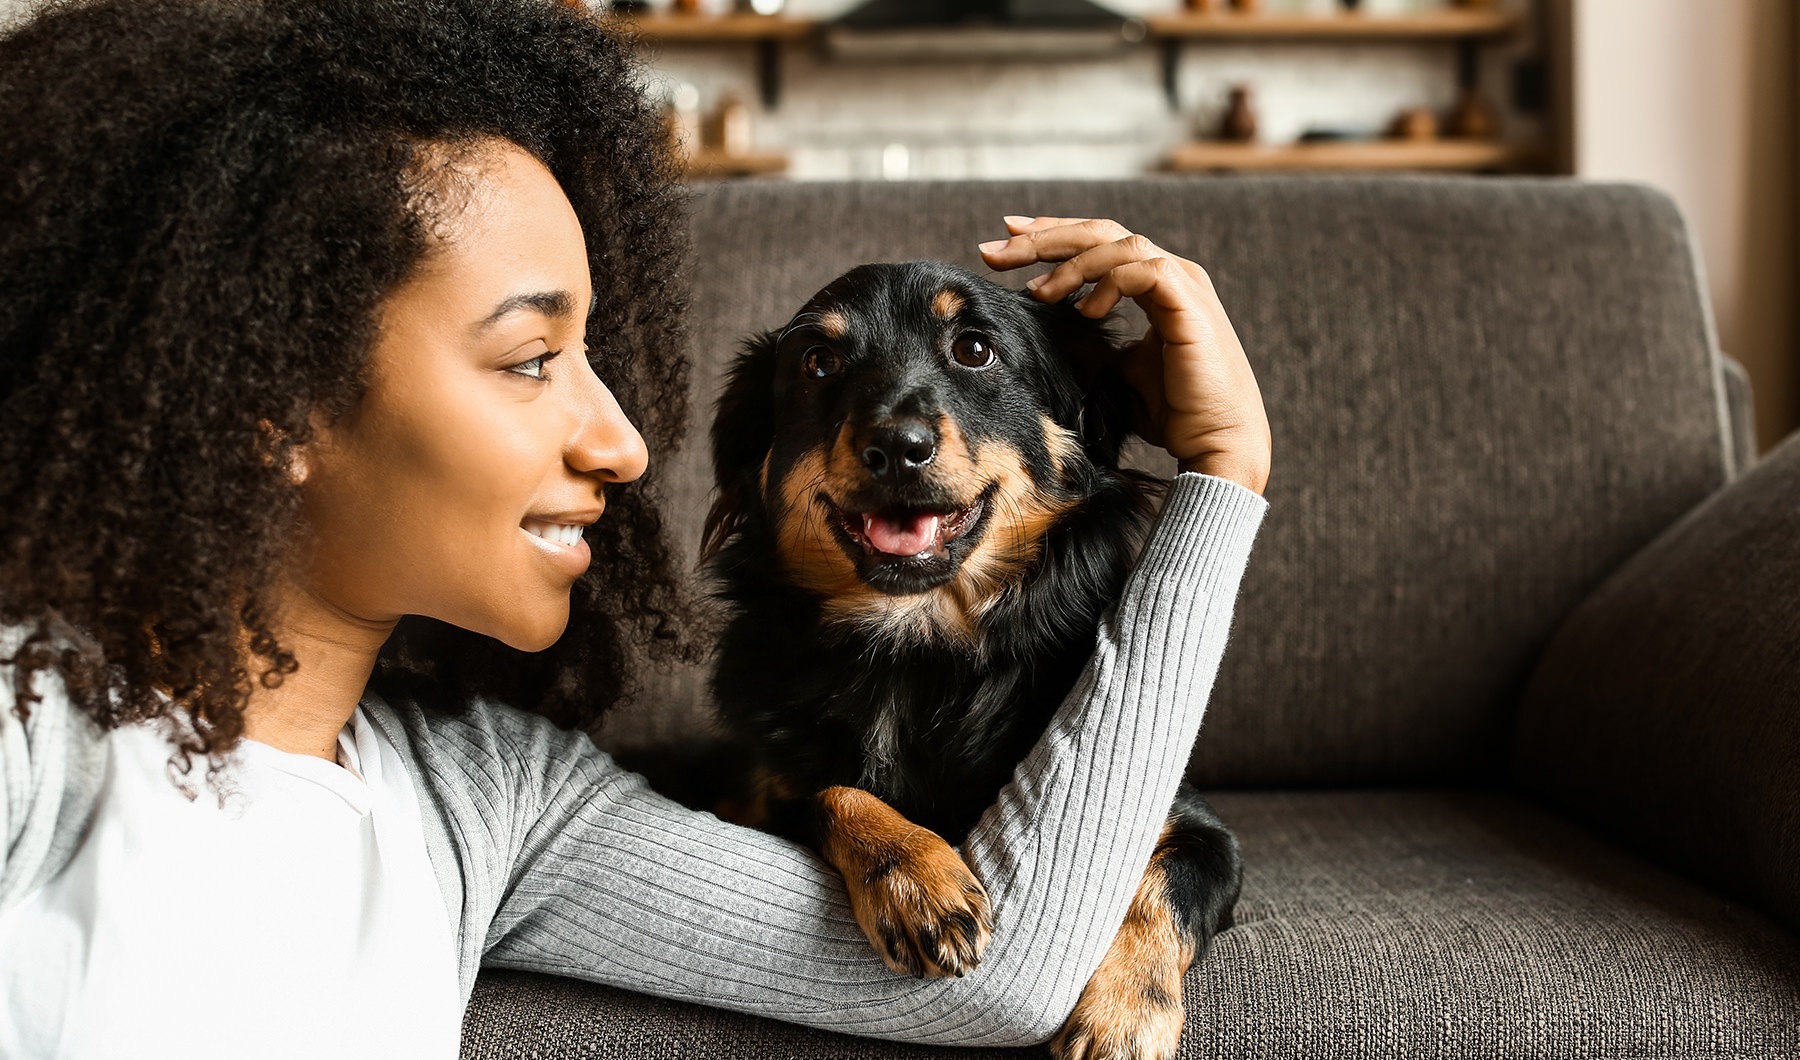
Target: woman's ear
x,y
277,449
742,431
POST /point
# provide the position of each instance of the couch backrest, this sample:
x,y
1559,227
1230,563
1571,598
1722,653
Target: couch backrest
x,y
1485,394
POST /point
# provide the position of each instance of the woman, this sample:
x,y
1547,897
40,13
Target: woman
x,y
325,330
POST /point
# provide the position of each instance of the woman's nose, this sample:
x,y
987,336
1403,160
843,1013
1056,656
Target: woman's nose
x,y
605,443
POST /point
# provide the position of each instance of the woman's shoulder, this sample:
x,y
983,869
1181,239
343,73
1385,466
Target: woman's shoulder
x,y
52,770
481,743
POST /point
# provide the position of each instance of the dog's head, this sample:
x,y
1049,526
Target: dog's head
x,y
910,437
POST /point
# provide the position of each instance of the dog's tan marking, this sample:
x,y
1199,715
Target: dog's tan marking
x,y
957,467
809,550
947,304
1020,514
923,910
844,469
763,479
1132,1006
1064,446
834,324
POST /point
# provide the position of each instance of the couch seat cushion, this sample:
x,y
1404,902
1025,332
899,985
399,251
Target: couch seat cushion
x,y
1415,925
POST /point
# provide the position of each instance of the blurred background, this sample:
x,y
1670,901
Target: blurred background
x,y
1697,97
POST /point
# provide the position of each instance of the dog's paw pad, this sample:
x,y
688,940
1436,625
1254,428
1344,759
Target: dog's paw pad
x,y
924,911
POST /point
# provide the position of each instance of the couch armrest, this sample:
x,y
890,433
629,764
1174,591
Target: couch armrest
x,y
1666,710
1740,414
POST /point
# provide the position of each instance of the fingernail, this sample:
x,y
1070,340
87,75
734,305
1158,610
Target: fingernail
x,y
1035,282
991,246
1017,221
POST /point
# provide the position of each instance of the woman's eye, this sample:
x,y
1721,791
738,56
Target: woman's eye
x,y
534,368
820,361
972,350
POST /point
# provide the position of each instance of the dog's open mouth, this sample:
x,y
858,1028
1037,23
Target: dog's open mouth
x,y
905,549
909,533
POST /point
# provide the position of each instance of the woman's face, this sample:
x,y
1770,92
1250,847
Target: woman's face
x,y
459,485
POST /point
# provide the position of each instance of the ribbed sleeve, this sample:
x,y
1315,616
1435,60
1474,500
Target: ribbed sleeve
x,y
556,860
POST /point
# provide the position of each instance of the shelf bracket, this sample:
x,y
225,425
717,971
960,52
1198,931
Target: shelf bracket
x,y
1171,71
768,70
1468,63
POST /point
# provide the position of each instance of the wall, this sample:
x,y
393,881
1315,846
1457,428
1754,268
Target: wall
x,y
1699,99
1098,117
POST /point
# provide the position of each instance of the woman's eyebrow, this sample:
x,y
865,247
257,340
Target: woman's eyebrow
x,y
549,303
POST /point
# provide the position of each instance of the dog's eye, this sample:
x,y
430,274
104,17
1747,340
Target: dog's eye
x,y
820,361
972,350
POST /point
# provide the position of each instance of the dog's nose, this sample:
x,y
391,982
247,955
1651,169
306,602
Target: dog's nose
x,y
898,449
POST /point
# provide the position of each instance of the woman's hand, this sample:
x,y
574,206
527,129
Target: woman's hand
x,y
1200,398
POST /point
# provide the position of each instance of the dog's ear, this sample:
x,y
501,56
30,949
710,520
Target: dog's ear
x,y
742,431
1105,403
1108,407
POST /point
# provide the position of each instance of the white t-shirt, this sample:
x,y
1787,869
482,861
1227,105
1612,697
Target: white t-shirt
x,y
302,919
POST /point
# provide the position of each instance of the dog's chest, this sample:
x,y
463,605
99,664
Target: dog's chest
x,y
933,747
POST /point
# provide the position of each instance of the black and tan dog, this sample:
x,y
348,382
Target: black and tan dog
x,y
920,520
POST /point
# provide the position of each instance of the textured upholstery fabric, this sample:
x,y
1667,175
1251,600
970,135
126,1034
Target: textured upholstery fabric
x,y
1386,926
1667,710
1485,395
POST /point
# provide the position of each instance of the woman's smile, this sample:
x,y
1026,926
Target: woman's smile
x,y
559,538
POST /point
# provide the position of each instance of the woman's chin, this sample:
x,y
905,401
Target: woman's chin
x,y
532,632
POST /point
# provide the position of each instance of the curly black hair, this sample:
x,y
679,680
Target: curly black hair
x,y
204,203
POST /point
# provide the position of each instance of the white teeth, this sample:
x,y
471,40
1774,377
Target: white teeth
x,y
560,533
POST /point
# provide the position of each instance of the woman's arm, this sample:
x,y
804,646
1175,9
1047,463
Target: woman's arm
x,y
570,865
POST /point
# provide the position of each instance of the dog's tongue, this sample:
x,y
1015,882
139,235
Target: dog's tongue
x,y
906,535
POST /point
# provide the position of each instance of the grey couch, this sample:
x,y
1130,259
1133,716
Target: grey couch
x,y
1510,721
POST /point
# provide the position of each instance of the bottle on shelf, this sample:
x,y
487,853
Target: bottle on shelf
x,y
731,124
1474,117
1239,122
1416,123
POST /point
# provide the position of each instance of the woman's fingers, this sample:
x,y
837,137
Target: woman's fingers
x,y
1087,249
1049,239
1168,293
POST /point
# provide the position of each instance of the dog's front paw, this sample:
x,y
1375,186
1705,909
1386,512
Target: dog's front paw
x,y
923,910
1122,1015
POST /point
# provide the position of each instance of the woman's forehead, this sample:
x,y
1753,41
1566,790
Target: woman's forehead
x,y
512,234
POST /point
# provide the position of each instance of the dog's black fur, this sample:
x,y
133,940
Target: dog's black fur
x,y
928,714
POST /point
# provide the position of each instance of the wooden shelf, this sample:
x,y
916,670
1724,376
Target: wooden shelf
x,y
1449,154
1447,24
721,29
706,165
766,32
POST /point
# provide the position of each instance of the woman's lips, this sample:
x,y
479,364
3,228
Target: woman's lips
x,y
562,543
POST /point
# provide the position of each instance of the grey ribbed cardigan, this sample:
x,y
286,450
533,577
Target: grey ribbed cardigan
x,y
553,859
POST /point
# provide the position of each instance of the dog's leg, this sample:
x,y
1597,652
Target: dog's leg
x,y
925,913
1132,1007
